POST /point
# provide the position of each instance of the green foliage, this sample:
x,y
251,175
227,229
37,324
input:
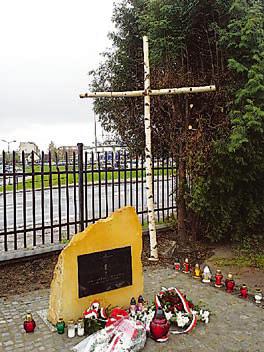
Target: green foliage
x,y
92,325
184,51
53,150
194,42
64,239
171,221
230,199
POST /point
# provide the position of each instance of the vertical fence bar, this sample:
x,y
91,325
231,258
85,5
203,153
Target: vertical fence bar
x,y
176,188
125,177
168,186
153,188
174,185
106,190
4,201
75,192
80,186
113,181
59,195
137,184
172,189
158,189
51,199
42,170
67,194
33,198
14,200
153,184
99,185
142,189
24,199
93,203
163,181
86,187
119,180
131,180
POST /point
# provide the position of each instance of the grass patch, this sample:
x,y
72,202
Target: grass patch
x,y
145,224
59,177
242,261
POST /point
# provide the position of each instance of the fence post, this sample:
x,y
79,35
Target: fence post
x,y
80,186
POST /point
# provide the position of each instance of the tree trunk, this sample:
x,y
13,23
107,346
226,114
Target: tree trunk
x,y
181,195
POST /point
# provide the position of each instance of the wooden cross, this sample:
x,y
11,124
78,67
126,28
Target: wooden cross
x,y
146,93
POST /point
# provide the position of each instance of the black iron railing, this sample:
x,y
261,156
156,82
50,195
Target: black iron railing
x,y
47,198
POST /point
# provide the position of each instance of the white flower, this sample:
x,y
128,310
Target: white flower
x,y
204,314
133,314
182,319
91,315
194,312
168,315
95,305
149,317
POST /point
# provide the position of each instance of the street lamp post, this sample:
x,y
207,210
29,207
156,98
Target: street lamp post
x,y
8,144
8,152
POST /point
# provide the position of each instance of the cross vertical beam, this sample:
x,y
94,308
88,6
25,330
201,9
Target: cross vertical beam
x,y
148,156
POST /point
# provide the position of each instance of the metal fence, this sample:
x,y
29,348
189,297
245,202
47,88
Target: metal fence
x,y
48,200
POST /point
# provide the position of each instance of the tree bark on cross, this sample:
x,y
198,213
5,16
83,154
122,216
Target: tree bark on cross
x,y
147,93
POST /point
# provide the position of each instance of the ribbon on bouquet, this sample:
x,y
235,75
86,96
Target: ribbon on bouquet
x,y
185,306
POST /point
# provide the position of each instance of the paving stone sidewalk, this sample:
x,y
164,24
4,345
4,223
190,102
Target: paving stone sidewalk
x,y
235,325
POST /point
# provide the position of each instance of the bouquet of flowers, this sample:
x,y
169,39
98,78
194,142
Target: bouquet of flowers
x,y
118,330
179,311
122,335
95,318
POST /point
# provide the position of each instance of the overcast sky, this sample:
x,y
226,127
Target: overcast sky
x,y
47,49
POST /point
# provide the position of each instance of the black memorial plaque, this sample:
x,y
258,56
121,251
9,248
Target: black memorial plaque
x,y
104,271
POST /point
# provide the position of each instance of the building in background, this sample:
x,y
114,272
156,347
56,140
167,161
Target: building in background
x,y
28,148
107,152
111,154
69,149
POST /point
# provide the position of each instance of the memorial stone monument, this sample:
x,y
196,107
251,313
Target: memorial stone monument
x,y
101,263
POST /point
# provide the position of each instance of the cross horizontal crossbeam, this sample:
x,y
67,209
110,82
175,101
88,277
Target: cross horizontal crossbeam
x,y
140,93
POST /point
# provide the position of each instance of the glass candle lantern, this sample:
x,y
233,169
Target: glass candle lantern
x,y
177,265
218,278
29,323
60,326
140,305
197,272
258,295
80,327
229,283
186,266
71,329
133,306
206,275
244,291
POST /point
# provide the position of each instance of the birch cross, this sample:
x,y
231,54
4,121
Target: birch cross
x,y
146,93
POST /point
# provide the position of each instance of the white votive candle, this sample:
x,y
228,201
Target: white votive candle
x,y
71,329
80,327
